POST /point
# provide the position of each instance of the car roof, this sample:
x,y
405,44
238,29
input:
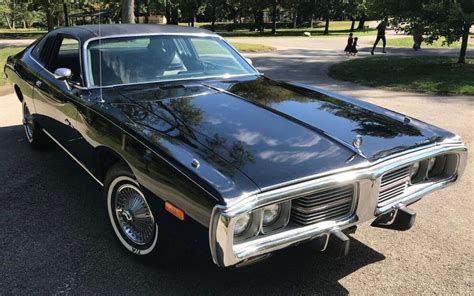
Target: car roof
x,y
109,30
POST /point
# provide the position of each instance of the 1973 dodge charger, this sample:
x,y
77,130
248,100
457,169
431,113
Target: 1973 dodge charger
x,y
189,140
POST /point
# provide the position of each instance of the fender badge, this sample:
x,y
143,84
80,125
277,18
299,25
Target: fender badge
x,y
195,163
357,142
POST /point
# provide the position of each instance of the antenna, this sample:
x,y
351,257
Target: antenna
x,y
100,52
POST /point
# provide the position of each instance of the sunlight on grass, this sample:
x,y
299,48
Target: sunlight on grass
x,y
408,42
4,54
244,47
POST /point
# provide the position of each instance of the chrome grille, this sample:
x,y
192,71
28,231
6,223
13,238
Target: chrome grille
x,y
393,185
324,205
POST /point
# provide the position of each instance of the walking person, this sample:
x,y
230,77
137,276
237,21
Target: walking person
x,y
347,50
353,49
381,35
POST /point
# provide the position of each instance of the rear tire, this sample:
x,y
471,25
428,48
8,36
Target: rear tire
x,y
130,216
34,133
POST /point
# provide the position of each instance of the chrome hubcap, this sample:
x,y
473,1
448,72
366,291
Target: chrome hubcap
x,y
28,123
134,215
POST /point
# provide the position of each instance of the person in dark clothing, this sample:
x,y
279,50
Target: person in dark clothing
x,y
381,35
353,48
347,50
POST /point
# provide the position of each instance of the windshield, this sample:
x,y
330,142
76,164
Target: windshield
x,y
115,61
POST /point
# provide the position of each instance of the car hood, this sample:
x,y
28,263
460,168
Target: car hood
x,y
276,133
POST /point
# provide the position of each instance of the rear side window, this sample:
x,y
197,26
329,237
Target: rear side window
x,y
69,45
38,52
67,56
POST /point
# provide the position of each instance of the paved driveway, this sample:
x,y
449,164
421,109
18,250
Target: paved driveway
x,y
55,236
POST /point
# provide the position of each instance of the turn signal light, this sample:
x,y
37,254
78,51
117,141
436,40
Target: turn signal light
x,y
178,213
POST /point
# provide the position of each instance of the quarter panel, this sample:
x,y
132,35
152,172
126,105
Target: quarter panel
x,y
22,71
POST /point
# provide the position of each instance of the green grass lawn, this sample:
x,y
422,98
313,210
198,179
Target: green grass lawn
x,y
21,33
440,75
4,53
408,42
244,47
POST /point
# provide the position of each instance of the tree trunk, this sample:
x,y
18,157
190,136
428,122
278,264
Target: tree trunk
x,y
326,27
147,12
193,17
353,24
311,21
66,14
465,39
8,21
167,12
174,16
261,22
274,17
361,23
49,16
13,16
295,19
213,16
128,13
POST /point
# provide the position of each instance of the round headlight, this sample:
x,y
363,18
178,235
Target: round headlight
x,y
414,169
271,213
431,163
242,224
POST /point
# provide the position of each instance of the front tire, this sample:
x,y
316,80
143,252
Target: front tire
x,y
34,133
130,216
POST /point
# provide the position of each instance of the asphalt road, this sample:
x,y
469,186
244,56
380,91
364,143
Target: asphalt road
x,y
55,236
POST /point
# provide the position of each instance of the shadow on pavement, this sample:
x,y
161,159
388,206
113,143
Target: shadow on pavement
x,y
56,239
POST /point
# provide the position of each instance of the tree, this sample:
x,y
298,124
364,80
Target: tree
x,y
6,11
450,19
128,11
329,9
274,15
356,10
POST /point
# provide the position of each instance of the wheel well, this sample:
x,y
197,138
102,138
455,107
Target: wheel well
x,y
18,93
105,159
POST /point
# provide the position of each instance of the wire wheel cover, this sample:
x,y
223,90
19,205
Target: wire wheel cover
x,y
134,215
28,123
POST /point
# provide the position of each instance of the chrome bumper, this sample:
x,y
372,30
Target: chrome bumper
x,y
226,253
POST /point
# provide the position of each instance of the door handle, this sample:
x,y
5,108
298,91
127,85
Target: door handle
x,y
39,83
68,123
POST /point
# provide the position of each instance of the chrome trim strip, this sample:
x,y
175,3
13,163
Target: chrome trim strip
x,y
174,80
368,178
72,156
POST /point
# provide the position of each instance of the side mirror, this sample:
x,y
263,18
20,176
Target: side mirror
x,y
62,73
249,61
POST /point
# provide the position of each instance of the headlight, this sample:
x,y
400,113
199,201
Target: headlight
x,y
242,224
431,163
415,168
271,213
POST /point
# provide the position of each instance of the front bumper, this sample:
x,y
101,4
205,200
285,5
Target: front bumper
x,y
227,253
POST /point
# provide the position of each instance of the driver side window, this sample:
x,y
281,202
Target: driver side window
x,y
67,56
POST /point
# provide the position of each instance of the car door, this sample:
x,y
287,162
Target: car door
x,y
55,100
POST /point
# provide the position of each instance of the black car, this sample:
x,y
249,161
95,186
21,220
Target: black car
x,y
189,140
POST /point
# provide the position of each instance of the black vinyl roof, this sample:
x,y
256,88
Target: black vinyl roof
x,y
109,30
